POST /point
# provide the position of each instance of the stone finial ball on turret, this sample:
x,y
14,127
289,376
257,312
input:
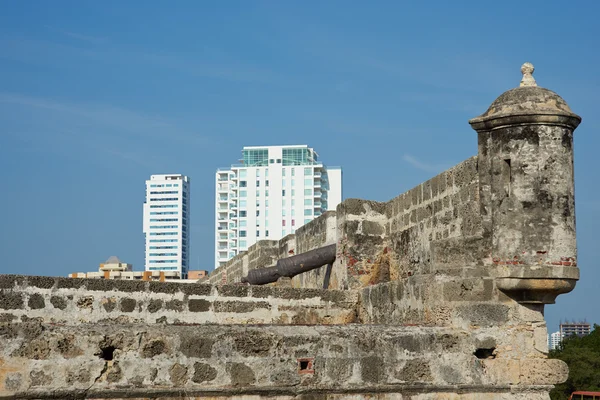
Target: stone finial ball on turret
x,y
527,71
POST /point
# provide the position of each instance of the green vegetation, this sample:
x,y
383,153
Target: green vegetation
x,y
582,355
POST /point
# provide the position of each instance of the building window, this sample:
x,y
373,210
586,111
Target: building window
x,y
279,161
267,193
308,182
283,172
242,233
308,202
243,193
271,161
257,233
293,171
243,213
267,183
283,222
267,233
308,192
257,213
283,213
308,212
242,243
306,221
283,182
283,202
283,192
257,183
243,173
293,212
293,222
243,203
243,184
243,223
308,171
293,202
293,192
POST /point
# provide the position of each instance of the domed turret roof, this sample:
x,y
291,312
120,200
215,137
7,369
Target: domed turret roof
x,y
528,103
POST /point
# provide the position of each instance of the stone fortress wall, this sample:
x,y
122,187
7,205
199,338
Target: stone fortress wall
x,y
438,293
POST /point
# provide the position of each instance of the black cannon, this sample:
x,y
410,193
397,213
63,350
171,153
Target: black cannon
x,y
292,266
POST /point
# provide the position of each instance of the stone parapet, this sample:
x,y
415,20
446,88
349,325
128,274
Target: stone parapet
x,y
134,360
81,301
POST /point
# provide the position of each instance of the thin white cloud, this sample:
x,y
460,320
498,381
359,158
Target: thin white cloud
x,y
213,66
132,122
78,36
96,130
423,165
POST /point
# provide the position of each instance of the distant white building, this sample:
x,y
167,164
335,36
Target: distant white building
x,y
166,224
274,191
554,340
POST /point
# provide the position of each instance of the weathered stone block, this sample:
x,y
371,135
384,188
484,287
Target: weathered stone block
x,y
196,346
36,301
128,305
203,373
240,374
239,306
198,305
11,300
484,314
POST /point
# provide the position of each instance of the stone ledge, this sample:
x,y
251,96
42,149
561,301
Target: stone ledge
x,y
140,393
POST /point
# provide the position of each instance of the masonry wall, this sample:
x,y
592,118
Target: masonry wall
x,y
74,338
81,301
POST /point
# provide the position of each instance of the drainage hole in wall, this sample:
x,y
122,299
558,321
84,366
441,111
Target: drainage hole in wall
x,y
303,365
106,353
485,353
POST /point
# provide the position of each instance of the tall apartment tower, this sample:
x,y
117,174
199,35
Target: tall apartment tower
x,y
166,223
274,191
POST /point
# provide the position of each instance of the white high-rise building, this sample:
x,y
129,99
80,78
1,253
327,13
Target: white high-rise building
x,y
166,223
273,192
555,339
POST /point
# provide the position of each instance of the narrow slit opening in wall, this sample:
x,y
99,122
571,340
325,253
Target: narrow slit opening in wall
x,y
303,365
507,174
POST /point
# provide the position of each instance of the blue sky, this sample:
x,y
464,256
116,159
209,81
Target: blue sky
x,y
97,96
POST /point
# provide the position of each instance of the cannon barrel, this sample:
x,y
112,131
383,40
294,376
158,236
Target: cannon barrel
x,y
300,263
261,276
292,266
